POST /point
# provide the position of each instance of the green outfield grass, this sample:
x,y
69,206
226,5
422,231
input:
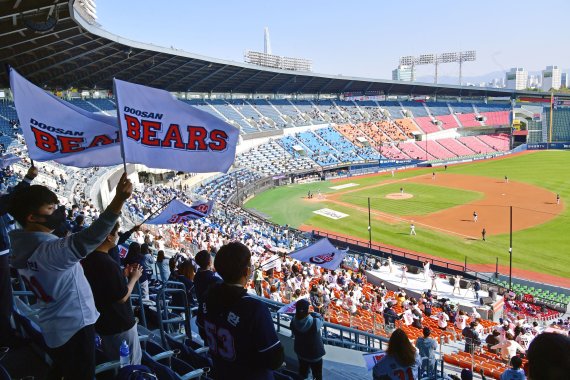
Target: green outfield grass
x,y
543,248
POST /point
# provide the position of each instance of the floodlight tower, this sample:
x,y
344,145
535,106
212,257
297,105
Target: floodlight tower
x,y
436,59
424,59
445,58
465,56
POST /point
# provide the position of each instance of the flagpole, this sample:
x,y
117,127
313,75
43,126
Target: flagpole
x,y
120,127
157,210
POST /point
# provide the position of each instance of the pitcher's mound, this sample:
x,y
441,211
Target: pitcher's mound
x,y
398,196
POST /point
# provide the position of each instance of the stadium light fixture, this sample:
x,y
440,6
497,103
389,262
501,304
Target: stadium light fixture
x,y
436,59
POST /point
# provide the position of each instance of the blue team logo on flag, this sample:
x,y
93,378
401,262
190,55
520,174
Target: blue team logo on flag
x,y
196,212
314,254
179,212
321,259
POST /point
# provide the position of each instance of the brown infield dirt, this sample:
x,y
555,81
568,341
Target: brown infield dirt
x,y
532,205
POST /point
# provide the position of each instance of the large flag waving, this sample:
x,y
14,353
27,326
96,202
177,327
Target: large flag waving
x,y
179,212
57,130
322,253
162,132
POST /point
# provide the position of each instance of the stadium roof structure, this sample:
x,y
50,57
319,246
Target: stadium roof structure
x,y
57,45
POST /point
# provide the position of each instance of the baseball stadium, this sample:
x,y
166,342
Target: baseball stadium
x,y
342,226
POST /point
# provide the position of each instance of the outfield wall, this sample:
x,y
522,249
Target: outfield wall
x,y
545,146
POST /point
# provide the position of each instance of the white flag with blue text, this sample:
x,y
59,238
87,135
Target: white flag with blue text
x,y
57,130
179,212
322,253
160,131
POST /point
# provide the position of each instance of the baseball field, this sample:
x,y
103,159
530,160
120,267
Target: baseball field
x,y
441,204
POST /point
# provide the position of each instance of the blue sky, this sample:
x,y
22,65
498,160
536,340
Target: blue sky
x,y
361,38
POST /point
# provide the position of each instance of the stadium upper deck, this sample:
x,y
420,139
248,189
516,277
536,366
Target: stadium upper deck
x,y
54,44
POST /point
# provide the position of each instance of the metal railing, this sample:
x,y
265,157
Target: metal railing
x,y
333,334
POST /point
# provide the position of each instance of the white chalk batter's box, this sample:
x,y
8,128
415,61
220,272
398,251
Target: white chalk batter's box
x,y
332,214
346,185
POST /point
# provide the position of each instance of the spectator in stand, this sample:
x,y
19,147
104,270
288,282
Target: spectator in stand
x,y
316,299
525,338
472,340
78,223
7,335
239,328
203,279
516,372
111,293
134,256
123,237
427,347
309,347
185,276
461,320
163,267
508,347
402,360
493,339
390,316
67,312
442,319
257,279
548,357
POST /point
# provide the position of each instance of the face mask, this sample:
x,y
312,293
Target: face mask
x,y
55,220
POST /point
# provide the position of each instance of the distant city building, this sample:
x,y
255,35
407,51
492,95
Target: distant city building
x,y
517,78
551,78
533,81
564,80
404,73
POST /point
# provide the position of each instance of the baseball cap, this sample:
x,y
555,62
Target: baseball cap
x,y
302,306
466,374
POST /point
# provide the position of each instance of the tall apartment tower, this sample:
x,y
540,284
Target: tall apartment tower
x,y
266,41
517,78
551,78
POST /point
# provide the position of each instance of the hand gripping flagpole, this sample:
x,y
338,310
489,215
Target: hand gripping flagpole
x,y
157,210
120,127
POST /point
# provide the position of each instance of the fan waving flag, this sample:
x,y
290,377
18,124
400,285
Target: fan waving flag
x,y
160,131
290,308
57,130
322,254
180,212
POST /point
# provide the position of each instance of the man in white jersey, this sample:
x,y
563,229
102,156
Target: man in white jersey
x,y
50,268
442,319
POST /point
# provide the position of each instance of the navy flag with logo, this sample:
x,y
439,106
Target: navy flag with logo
x,y
322,254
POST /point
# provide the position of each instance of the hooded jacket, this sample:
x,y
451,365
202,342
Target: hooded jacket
x,y
308,340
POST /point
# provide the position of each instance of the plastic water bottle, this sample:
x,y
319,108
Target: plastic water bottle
x,y
124,354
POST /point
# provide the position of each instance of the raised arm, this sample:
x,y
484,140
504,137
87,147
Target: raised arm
x,y
85,242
